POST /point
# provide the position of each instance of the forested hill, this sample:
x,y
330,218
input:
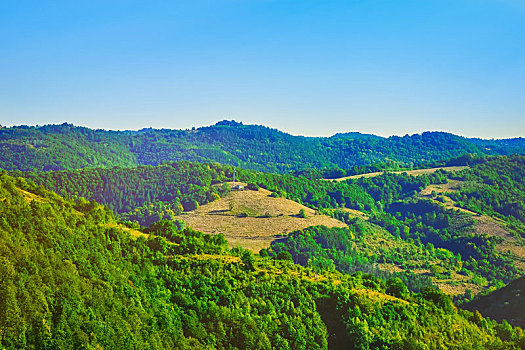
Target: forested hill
x,y
61,147
71,277
476,248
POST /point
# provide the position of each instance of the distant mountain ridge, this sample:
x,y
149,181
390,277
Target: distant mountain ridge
x,y
65,146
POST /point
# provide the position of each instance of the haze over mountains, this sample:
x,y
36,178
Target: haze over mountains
x,y
65,146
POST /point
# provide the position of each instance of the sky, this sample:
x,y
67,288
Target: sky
x,y
306,67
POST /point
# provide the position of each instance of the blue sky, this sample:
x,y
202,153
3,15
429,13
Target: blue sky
x,y
305,67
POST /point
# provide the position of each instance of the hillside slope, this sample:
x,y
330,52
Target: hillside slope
x,y
462,242
60,147
72,279
253,219
507,303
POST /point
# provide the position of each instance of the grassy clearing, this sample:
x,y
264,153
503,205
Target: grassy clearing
x,y
409,172
253,219
132,232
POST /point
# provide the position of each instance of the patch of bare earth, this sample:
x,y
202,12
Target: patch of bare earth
x,y
455,288
253,219
450,186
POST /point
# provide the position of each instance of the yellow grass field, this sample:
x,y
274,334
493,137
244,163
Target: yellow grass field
x,y
409,172
266,218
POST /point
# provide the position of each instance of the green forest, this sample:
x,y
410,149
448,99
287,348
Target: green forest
x,y
440,239
96,254
67,147
74,278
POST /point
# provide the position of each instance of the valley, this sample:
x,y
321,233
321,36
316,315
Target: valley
x,y
262,175
178,245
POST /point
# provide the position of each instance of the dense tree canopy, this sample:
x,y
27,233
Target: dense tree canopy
x,y
72,277
66,147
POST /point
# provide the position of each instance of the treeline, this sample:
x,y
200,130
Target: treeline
x,y
59,147
388,187
147,194
144,194
334,173
314,193
66,147
71,277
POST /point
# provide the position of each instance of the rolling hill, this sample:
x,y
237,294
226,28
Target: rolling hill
x,y
72,277
61,147
253,219
451,241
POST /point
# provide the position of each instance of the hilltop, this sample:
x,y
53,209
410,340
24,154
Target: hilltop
x,y
253,218
67,147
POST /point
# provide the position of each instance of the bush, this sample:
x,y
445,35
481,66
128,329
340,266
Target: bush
x,y
284,255
396,287
253,187
264,253
247,259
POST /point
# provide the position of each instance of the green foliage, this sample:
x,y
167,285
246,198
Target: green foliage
x,y
495,186
252,187
389,187
438,298
396,287
71,277
284,255
264,253
66,147
248,261
145,194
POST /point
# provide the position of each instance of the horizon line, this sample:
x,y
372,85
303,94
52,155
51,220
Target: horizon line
x,y
261,125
